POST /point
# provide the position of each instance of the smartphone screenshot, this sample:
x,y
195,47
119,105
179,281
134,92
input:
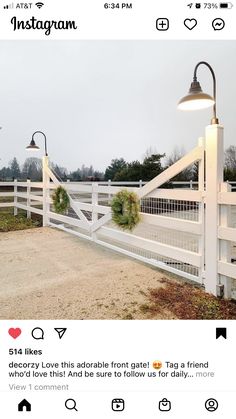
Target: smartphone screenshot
x,y
117,209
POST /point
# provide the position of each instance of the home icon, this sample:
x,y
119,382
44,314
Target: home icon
x,y
24,405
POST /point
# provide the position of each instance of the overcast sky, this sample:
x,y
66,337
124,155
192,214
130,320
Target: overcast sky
x,y
98,100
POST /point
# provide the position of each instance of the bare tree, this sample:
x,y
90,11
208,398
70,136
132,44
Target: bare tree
x,y
177,154
149,152
32,168
230,157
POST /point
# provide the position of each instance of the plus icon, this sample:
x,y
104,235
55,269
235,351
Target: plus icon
x,y
162,24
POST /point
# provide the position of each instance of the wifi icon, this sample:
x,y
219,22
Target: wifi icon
x,y
39,5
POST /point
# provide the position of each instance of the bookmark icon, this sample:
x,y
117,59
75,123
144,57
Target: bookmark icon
x,y
221,332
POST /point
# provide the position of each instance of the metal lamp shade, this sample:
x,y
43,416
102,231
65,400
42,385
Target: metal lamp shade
x,y
195,102
32,146
195,99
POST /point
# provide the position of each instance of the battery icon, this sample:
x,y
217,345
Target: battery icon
x,y
226,5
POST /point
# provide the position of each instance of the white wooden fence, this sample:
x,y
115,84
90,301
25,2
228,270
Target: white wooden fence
x,y
189,232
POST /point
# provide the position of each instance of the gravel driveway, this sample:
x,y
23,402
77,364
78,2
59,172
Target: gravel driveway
x,y
50,274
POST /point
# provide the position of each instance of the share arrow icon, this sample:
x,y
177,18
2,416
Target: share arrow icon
x,y
61,331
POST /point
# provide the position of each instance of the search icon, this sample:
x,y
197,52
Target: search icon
x,y
71,404
37,333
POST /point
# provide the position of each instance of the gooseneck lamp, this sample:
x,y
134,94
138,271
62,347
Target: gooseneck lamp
x,y
33,146
196,99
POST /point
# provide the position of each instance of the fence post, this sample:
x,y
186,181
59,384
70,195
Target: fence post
x,y
28,198
214,178
109,195
15,198
201,220
46,195
94,202
140,183
225,245
67,211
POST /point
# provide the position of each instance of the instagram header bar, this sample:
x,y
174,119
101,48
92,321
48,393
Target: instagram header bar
x,y
101,19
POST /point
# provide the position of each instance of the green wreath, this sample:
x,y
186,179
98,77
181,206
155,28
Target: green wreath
x,y
61,200
125,209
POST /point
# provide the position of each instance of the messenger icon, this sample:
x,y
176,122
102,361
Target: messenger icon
x,y
164,405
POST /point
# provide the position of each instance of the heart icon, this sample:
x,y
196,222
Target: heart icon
x,y
14,333
190,23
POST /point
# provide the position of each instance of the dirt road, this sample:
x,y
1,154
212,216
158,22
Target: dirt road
x,y
49,274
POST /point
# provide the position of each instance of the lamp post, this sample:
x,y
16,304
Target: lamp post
x,y
214,168
46,179
33,146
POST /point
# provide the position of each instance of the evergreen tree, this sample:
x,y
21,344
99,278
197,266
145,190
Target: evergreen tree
x,y
152,166
5,173
135,171
15,169
116,166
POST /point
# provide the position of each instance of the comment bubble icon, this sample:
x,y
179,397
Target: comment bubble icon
x,y
37,333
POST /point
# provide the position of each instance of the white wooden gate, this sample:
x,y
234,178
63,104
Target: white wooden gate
x,y
189,232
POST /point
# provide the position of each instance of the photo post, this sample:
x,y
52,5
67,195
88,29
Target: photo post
x,y
117,209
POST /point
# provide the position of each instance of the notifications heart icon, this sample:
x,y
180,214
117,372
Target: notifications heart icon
x,y
190,23
14,333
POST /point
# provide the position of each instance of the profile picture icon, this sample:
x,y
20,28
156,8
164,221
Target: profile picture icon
x,y
157,365
211,405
